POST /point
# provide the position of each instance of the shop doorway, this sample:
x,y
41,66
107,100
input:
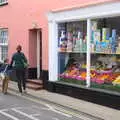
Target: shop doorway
x,y
35,53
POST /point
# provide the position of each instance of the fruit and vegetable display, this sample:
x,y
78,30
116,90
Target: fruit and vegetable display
x,y
99,73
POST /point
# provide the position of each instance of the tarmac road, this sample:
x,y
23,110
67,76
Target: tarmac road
x,y
14,107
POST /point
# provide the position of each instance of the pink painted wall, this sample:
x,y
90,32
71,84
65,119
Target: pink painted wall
x,y
19,15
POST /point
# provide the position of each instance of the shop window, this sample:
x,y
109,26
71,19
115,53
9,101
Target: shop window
x,y
3,44
105,54
72,52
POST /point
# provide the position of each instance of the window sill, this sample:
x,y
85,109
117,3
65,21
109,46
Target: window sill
x,y
4,3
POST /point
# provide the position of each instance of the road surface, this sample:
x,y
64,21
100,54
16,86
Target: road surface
x,y
14,107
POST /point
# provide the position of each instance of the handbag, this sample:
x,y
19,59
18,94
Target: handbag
x,y
25,64
3,74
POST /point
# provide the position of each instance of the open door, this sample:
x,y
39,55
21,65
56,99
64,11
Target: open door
x,y
35,53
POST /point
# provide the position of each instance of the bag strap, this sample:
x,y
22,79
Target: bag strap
x,y
5,68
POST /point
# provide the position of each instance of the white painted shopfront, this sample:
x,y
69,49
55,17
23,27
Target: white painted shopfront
x,y
89,13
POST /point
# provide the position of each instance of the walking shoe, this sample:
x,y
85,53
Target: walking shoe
x,y
24,91
19,94
5,93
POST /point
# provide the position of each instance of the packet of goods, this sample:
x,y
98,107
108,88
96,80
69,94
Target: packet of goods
x,y
117,81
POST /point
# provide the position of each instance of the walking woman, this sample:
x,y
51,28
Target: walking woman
x,y
19,64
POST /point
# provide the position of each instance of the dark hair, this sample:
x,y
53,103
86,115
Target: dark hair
x,y
19,48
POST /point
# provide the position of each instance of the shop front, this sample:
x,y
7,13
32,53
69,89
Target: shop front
x,y
84,53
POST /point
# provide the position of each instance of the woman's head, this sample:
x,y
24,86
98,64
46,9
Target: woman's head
x,y
19,48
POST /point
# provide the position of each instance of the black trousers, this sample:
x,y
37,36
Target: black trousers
x,y
21,79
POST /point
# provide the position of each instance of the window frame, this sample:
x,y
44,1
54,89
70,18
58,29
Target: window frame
x,y
3,2
5,44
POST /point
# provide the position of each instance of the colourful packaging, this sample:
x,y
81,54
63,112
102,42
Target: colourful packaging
x,y
104,33
96,36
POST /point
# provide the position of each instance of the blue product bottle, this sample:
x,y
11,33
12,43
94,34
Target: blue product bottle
x,y
107,34
113,35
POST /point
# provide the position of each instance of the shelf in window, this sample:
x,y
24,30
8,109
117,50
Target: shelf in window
x,y
91,52
105,53
70,52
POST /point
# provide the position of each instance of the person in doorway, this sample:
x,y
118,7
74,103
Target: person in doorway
x,y
19,64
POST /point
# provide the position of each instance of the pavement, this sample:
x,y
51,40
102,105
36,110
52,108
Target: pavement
x,y
96,110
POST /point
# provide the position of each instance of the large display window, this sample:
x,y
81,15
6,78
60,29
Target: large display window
x,y
104,53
